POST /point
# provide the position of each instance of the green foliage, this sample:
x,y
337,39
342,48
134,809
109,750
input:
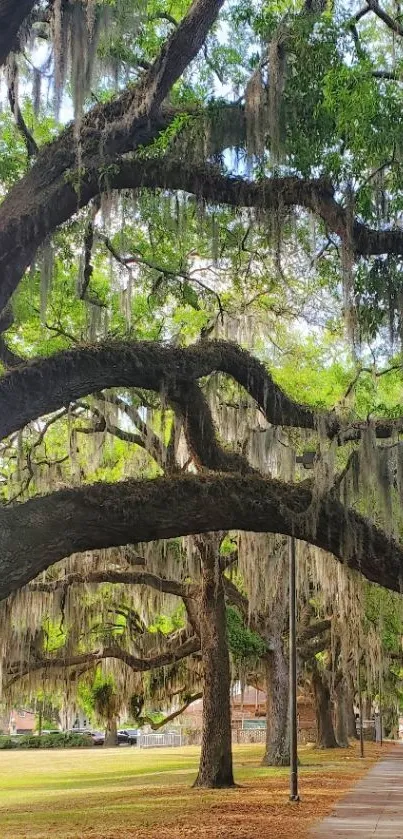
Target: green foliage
x,y
104,697
246,647
384,612
64,740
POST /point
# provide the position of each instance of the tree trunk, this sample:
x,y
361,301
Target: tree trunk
x,y
342,714
277,751
40,718
111,734
325,731
215,769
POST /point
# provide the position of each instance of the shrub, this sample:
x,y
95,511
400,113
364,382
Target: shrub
x,y
64,740
7,743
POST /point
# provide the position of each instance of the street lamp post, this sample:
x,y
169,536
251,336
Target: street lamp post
x,y
380,711
360,711
293,680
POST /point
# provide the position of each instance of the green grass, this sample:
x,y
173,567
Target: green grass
x,y
104,792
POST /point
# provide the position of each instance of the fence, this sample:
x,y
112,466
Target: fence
x,y
156,740
250,735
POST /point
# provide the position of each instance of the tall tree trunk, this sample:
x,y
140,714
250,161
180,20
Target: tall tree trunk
x,y
326,738
111,734
215,769
342,712
277,751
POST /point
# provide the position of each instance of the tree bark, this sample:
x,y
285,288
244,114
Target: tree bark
x,y
342,714
326,738
277,752
39,532
47,384
111,734
215,769
12,16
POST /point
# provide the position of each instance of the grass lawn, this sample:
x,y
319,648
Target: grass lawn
x,y
126,792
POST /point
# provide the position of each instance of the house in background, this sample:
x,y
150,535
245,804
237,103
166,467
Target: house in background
x,y
18,721
248,714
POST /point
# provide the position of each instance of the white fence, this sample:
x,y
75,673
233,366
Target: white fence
x,y
155,740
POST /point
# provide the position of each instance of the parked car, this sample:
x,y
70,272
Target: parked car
x,y
98,738
128,735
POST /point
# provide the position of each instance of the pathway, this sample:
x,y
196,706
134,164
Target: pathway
x,y
373,808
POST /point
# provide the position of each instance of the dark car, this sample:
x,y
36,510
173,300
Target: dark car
x,y
128,735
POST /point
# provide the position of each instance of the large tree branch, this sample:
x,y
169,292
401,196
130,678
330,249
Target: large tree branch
x,y
47,196
12,16
139,665
36,534
390,22
272,194
130,578
55,194
42,386
45,385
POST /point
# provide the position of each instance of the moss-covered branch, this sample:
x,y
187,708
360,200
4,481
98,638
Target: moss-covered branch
x,y
36,534
139,665
42,386
130,578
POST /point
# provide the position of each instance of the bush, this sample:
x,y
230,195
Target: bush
x,y
7,743
64,740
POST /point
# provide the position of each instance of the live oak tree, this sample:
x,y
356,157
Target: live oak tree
x,y
315,196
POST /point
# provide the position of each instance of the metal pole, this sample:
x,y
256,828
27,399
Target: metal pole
x,y
380,708
360,709
293,680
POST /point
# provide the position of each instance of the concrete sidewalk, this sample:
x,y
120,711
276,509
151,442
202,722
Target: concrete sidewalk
x,y
373,808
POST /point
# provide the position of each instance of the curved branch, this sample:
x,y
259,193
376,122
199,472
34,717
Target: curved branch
x,y
39,532
12,16
139,665
204,447
390,22
273,194
132,578
55,194
53,189
44,385
155,726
